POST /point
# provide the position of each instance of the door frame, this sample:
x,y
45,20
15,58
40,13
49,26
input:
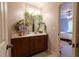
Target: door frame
x,y
6,28
59,28
74,28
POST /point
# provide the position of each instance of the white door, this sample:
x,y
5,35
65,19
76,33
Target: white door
x,y
3,29
71,48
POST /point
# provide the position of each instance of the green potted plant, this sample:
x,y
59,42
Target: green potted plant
x,y
39,18
21,25
41,25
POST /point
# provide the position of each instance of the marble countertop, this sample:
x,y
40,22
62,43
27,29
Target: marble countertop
x,y
27,35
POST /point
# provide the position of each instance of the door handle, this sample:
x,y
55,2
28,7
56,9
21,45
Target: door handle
x,y
75,45
9,46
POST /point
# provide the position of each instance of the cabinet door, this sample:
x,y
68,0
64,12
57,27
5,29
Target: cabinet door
x,y
32,45
45,42
39,43
20,47
26,46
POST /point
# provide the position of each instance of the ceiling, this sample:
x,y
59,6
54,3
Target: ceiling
x,y
37,4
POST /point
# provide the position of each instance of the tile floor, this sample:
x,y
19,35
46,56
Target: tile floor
x,y
45,54
66,51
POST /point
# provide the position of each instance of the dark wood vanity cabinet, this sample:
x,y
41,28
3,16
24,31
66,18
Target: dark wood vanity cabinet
x,y
20,47
28,46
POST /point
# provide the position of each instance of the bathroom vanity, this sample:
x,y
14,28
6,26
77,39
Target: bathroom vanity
x,y
28,45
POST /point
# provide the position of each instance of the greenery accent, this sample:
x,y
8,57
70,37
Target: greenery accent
x,y
40,24
22,24
39,18
27,21
42,27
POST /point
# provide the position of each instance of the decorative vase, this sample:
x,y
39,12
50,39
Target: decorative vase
x,y
21,33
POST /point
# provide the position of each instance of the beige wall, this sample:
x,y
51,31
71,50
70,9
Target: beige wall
x,y
15,13
50,13
51,18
